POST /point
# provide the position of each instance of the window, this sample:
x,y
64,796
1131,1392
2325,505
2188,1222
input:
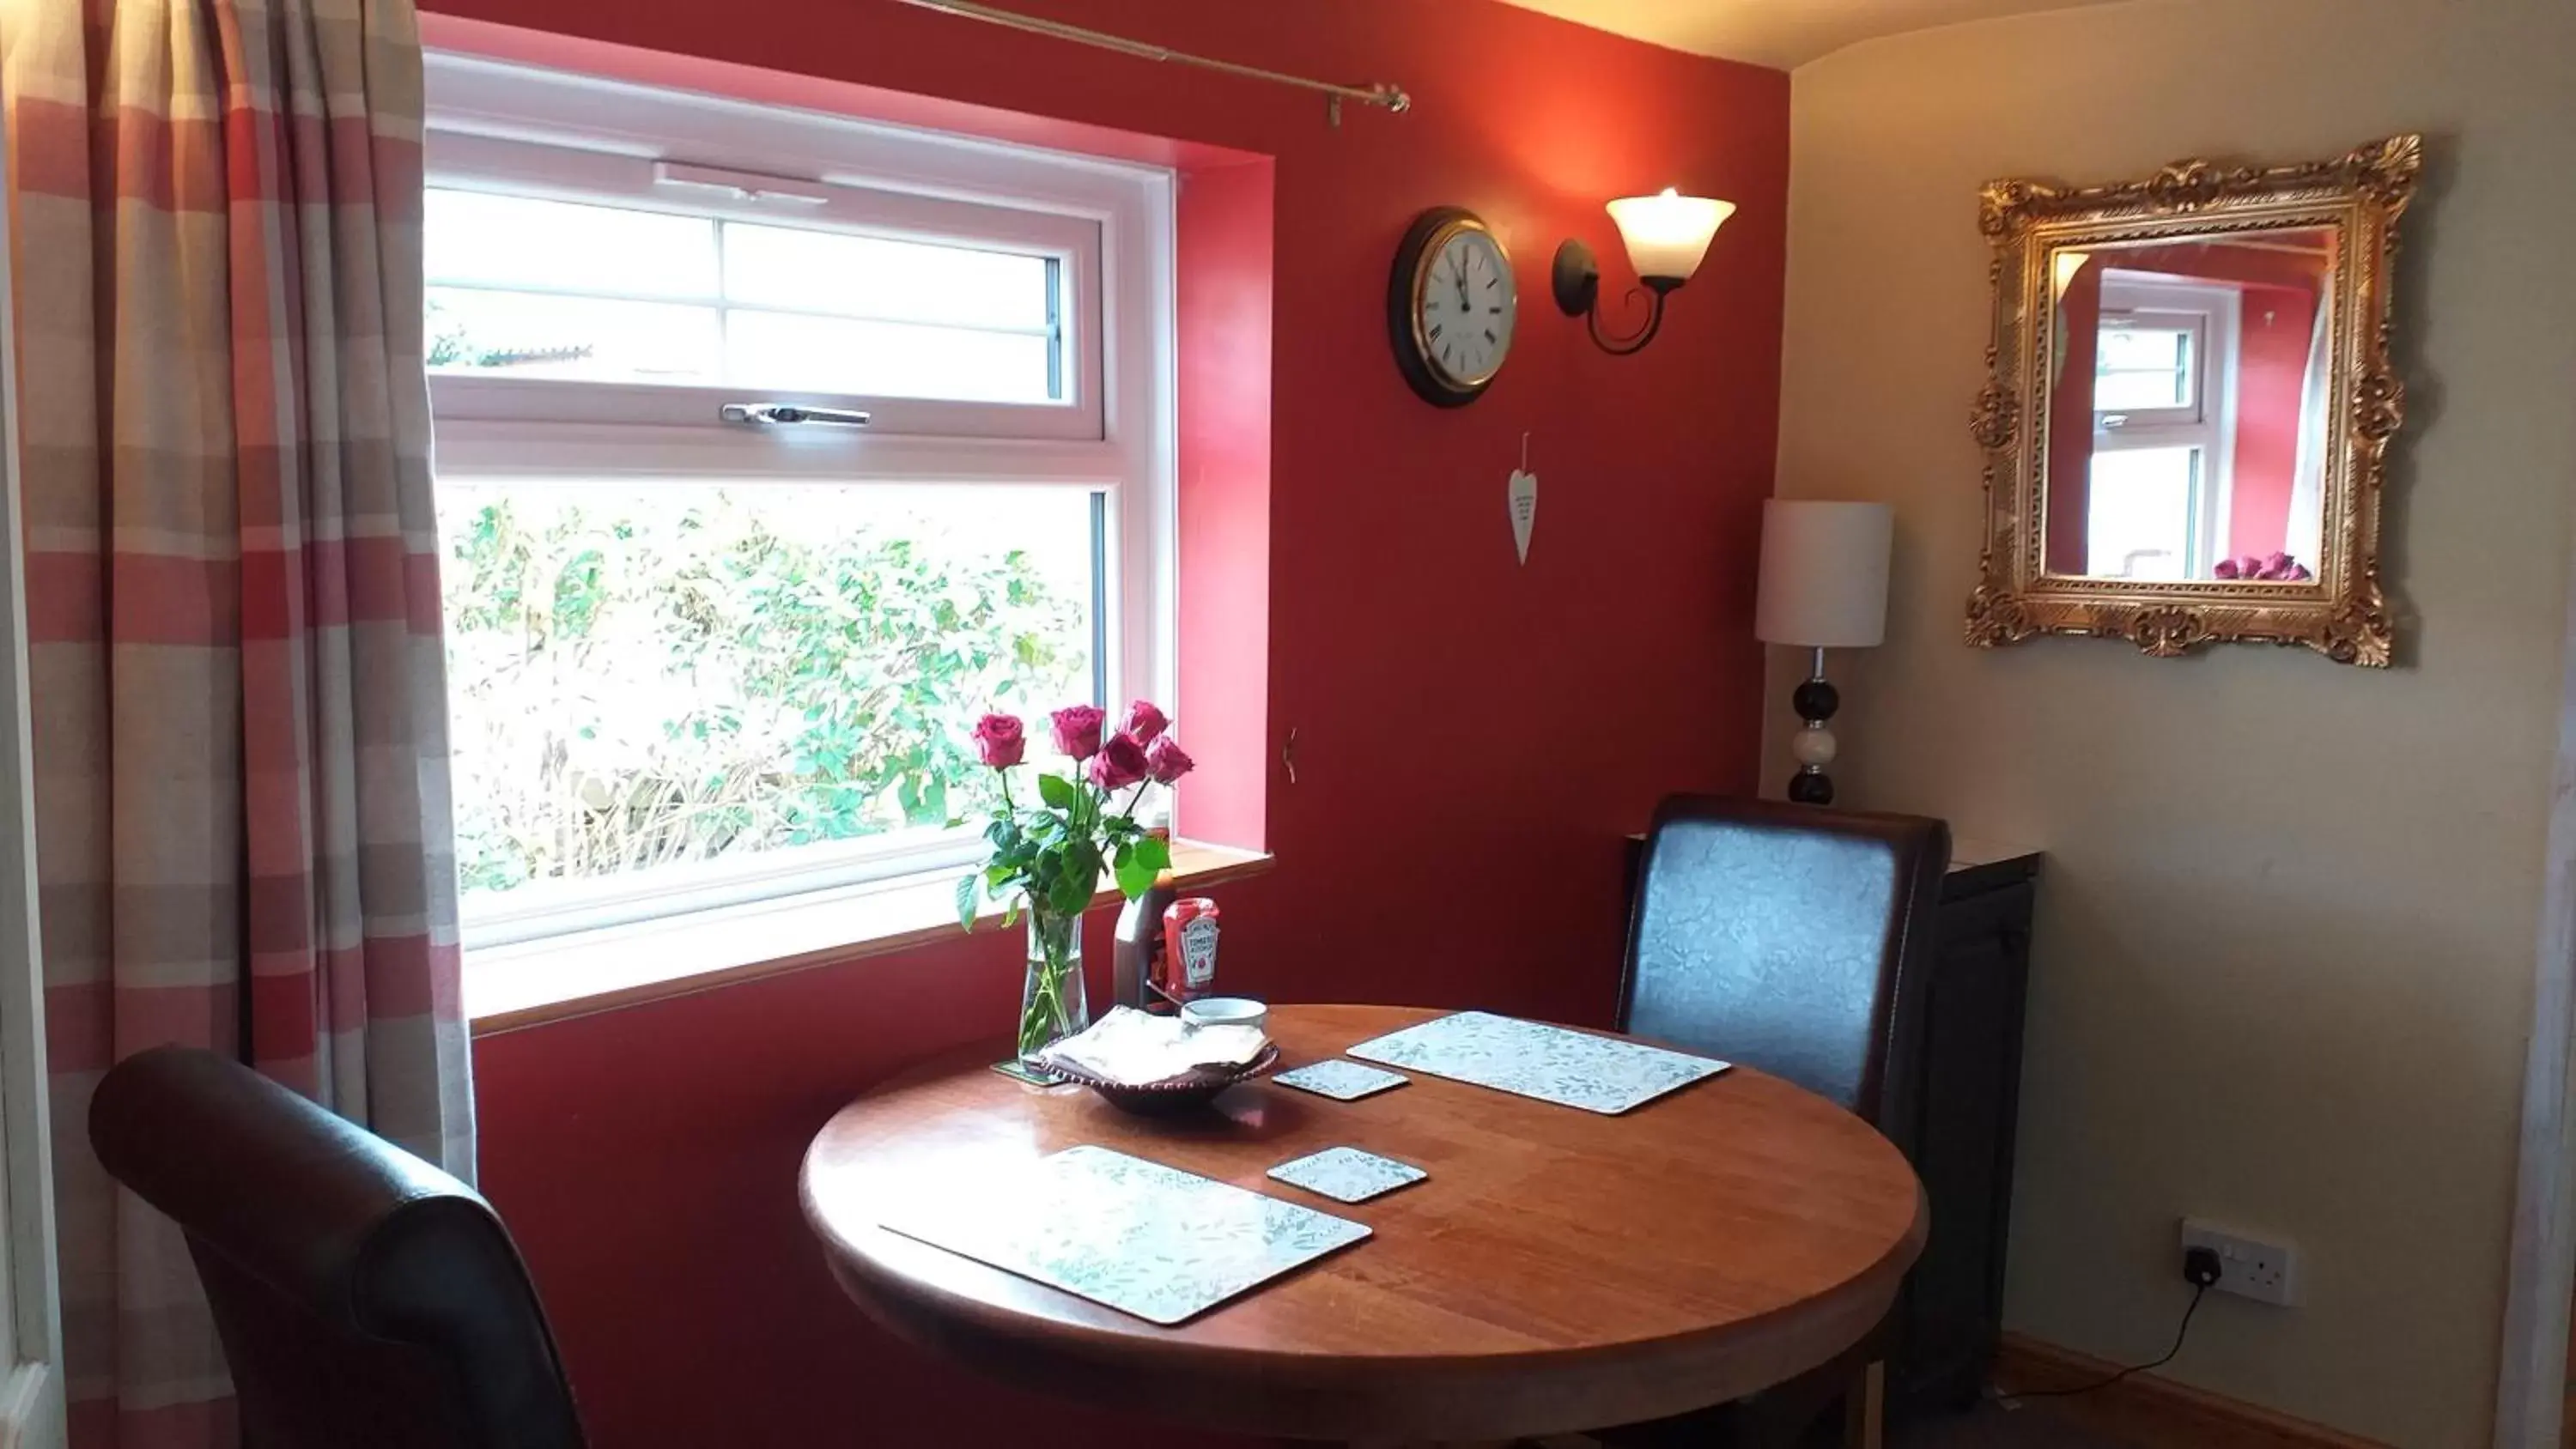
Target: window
x,y
2149,361
2163,403
773,448
530,288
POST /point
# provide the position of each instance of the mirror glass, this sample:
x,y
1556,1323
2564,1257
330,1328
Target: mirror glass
x,y
2188,393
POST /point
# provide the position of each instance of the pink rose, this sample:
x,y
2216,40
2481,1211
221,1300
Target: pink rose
x,y
1077,730
1145,722
1120,763
1000,740
1166,763
2227,568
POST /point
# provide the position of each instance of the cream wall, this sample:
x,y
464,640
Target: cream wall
x,y
2287,929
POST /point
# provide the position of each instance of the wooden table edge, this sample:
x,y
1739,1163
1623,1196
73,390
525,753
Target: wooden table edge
x,y
1247,1391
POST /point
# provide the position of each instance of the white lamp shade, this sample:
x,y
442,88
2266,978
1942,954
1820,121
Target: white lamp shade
x,y
1668,234
1824,574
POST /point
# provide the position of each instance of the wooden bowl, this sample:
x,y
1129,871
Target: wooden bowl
x,y
1187,1092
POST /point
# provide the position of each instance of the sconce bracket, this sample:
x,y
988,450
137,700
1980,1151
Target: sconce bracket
x,y
1576,278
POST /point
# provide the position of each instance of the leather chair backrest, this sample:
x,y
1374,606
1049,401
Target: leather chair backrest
x,y
364,1296
1793,939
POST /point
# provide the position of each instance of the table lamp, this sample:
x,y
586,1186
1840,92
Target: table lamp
x,y
1824,586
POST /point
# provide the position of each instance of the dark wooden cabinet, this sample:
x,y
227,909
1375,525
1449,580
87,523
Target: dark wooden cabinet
x,y
1952,1311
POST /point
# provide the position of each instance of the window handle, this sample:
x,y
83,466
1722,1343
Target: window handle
x,y
738,185
771,414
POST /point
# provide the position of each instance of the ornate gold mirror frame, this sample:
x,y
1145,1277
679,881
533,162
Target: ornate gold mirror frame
x,y
2340,612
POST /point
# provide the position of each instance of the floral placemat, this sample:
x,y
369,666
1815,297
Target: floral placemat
x,y
1601,1074
1137,1236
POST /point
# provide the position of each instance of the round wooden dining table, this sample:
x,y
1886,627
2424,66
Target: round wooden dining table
x,y
1557,1270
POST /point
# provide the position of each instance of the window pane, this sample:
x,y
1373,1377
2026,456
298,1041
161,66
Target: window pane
x,y
2143,367
521,334
892,281
2164,349
474,237
2128,391
531,288
885,359
649,676
2140,510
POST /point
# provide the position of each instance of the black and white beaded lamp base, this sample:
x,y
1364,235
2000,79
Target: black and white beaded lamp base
x,y
1813,746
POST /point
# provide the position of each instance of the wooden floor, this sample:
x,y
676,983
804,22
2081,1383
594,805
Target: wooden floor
x,y
2035,1425
2149,1411
2145,1411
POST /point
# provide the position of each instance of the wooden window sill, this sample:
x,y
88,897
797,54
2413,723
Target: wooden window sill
x,y
531,982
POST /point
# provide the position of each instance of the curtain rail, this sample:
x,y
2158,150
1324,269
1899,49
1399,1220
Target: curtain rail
x,y
1388,95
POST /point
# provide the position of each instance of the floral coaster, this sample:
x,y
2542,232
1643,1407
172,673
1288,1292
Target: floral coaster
x,y
1342,1081
1346,1174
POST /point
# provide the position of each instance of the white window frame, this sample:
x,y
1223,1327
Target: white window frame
x,y
2212,313
498,126
467,162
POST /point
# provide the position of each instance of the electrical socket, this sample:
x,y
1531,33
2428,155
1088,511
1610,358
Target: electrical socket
x,y
2263,1269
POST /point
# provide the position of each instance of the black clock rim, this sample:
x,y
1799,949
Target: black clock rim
x,y
1418,372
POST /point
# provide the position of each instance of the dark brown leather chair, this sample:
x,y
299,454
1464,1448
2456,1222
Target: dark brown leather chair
x,y
1796,940
364,1296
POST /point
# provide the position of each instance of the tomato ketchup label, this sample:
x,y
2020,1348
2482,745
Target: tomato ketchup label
x,y
1189,948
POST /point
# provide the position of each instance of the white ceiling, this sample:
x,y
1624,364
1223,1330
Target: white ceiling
x,y
1782,33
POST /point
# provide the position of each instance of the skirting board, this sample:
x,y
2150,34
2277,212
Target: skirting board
x,y
2155,1411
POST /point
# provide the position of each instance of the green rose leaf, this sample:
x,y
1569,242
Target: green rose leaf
x,y
969,890
1135,877
1154,853
1072,891
1056,791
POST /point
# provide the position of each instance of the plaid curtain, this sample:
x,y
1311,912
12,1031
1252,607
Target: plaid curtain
x,y
243,832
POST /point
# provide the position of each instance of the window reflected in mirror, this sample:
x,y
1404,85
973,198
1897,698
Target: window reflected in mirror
x,y
2188,407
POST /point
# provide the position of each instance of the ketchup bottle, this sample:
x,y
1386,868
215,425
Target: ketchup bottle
x,y
1186,969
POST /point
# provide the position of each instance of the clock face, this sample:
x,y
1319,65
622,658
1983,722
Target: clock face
x,y
1464,306
1450,306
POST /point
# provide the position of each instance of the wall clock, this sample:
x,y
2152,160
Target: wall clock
x,y
1450,305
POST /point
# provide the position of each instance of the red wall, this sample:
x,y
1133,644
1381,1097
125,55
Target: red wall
x,y
2277,330
2070,423
1474,736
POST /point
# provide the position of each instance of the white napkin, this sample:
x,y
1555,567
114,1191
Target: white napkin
x,y
1134,1048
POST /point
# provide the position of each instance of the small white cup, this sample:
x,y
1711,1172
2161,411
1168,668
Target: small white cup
x,y
1225,1011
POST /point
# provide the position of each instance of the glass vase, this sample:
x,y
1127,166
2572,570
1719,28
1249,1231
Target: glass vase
x,y
1052,1004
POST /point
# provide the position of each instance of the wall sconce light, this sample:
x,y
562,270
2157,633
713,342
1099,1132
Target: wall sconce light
x,y
1666,235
